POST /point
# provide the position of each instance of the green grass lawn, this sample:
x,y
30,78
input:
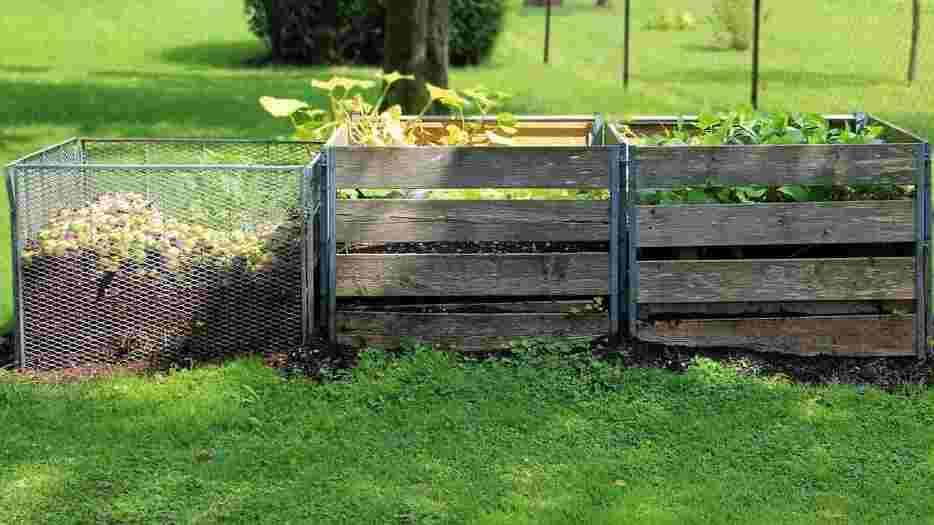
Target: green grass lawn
x,y
424,440
428,439
168,69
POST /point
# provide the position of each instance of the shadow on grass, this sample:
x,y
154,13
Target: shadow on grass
x,y
195,102
24,69
247,54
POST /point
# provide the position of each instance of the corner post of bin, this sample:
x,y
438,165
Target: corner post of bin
x,y
19,355
632,238
924,332
327,245
309,200
618,250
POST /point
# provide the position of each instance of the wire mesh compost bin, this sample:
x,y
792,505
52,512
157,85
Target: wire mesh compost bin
x,y
154,251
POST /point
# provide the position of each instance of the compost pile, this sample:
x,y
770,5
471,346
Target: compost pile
x,y
119,282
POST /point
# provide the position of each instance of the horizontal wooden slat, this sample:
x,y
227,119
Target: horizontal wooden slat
x,y
472,274
649,310
852,279
374,220
862,336
683,281
463,331
822,164
776,223
472,167
371,220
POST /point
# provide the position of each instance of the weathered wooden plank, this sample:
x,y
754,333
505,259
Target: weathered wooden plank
x,y
371,220
655,310
819,164
861,336
682,281
852,279
472,274
374,220
472,167
776,223
463,331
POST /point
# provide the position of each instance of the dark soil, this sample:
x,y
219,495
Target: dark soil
x,y
889,373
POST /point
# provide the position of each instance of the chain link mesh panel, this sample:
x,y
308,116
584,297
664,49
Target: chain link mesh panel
x,y
155,251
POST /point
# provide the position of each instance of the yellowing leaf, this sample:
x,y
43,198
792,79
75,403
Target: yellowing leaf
x,y
281,107
395,112
342,82
445,96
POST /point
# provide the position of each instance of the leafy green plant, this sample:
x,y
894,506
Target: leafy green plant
x,y
744,126
369,125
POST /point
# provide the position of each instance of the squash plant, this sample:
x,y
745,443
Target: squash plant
x,y
369,125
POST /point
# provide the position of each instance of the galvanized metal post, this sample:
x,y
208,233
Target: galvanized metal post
x,y
323,243
308,252
330,285
618,252
923,293
19,355
632,240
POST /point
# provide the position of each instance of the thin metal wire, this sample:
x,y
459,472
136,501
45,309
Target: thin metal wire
x,y
71,314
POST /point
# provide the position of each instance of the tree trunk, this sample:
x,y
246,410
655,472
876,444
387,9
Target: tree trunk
x,y
406,38
326,33
915,37
437,54
274,27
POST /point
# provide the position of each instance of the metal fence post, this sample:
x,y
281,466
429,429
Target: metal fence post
x,y
632,240
618,252
327,247
923,292
308,200
19,356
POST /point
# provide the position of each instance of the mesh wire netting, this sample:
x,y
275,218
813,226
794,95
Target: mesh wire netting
x,y
157,251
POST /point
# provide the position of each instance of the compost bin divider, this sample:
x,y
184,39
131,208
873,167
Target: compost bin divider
x,y
923,325
19,355
632,238
618,307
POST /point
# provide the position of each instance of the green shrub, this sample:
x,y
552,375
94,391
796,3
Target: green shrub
x,y
474,27
669,20
732,23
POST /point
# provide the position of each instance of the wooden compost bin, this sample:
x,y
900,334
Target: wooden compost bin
x,y
479,299
840,303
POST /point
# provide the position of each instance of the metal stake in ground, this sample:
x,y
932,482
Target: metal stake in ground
x,y
755,54
547,27
626,45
